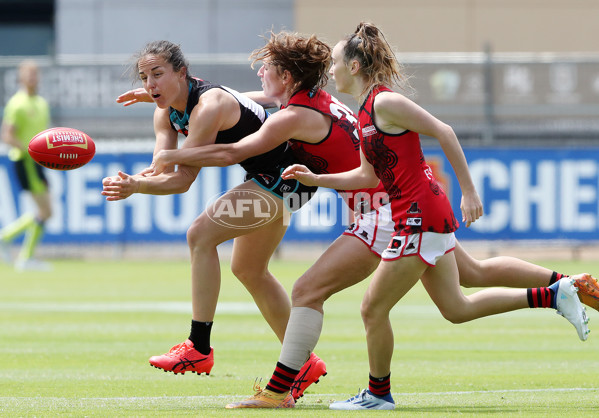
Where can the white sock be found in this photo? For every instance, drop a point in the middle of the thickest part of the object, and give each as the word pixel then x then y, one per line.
pixel 302 334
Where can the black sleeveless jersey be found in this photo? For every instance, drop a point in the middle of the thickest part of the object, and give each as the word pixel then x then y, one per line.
pixel 251 119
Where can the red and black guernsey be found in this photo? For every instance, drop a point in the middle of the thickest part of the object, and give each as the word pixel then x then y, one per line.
pixel 418 203
pixel 339 151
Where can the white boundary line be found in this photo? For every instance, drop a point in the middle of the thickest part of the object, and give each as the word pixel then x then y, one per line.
pixel 125 306
pixel 6 400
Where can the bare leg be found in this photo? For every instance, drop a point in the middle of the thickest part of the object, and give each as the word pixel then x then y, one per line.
pixel 499 271
pixel 249 263
pixel 44 205
pixel 205 234
pixel 345 262
pixel 391 281
pixel 441 284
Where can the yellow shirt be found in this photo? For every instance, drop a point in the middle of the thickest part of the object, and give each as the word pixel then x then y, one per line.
pixel 28 114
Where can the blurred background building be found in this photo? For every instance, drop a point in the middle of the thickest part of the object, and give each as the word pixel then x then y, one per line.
pixel 505 74
pixel 526 69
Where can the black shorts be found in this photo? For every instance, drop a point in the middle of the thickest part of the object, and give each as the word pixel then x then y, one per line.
pixel 31 176
pixel 294 194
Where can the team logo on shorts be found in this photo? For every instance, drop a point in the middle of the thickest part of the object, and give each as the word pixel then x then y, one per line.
pixel 267 178
pixel 414 208
pixel 395 244
pixel 414 221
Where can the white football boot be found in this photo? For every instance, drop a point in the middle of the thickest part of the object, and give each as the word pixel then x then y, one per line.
pixel 569 306
pixel 364 400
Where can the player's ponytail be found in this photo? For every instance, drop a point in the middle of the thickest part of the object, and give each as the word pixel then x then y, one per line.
pixel 378 63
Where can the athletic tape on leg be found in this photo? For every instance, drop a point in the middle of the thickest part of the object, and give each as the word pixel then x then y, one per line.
pixel 302 334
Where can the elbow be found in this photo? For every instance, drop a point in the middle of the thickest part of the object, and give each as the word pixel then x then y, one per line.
pixel 370 180
pixel 228 160
pixel 183 188
pixel 373 182
pixel 446 131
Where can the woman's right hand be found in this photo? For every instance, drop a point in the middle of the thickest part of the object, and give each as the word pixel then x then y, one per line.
pixel 138 95
pixel 119 187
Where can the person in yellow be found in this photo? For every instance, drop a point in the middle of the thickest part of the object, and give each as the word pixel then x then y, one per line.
pixel 25 115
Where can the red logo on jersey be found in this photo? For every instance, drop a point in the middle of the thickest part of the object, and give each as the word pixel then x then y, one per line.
pixel 436 165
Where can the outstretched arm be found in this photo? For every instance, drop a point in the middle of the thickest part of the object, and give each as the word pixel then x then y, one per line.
pixel 300 123
pixel 140 95
pixel 359 178
pixel 123 185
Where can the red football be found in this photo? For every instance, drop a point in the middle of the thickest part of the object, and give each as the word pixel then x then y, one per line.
pixel 62 148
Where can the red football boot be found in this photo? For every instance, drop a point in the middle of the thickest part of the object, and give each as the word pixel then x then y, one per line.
pixel 311 372
pixel 184 358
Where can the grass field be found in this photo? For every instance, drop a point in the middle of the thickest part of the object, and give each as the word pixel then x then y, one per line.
pixel 75 342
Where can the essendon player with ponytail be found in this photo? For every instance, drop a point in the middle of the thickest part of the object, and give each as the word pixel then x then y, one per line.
pixel 422 245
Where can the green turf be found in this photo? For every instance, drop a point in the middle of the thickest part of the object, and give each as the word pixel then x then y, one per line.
pixel 75 342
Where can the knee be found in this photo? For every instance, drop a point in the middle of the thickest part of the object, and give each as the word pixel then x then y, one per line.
pixel 305 294
pixel 471 275
pixel 44 213
pixel 370 313
pixel 193 235
pixel 467 283
pixel 44 216
pixel 198 234
pixel 455 316
pixel 248 274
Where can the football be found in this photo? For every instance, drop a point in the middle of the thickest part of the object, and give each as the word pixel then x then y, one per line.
pixel 62 148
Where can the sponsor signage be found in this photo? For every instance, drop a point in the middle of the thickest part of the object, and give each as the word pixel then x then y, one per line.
pixel 527 193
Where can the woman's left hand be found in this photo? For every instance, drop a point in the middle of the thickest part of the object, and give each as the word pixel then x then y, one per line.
pixel 472 208
pixel 161 162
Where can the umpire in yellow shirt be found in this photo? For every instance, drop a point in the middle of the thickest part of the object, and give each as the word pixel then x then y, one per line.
pixel 25 115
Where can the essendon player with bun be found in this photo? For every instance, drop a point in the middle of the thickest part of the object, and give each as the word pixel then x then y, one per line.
pixel 422 246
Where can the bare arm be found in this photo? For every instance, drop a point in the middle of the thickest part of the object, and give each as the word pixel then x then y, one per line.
pixel 140 95
pixel 216 111
pixel 124 185
pixel 293 122
pixel 395 112
pixel 359 178
pixel 8 133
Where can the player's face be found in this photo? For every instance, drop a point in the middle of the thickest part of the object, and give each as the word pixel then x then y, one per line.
pixel 162 82
pixel 339 70
pixel 272 82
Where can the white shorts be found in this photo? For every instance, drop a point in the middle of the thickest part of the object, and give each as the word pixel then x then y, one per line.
pixel 374 228
pixel 429 246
